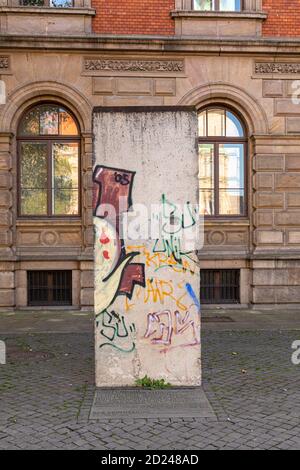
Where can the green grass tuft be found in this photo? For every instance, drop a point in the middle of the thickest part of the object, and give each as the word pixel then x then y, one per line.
pixel 147 382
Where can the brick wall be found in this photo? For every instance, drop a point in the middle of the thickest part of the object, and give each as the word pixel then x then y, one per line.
pixel 283 19
pixel 134 17
pixel 152 17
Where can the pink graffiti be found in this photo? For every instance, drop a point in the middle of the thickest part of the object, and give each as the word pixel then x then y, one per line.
pixel 163 326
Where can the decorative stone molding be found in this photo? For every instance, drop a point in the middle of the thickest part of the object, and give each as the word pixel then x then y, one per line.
pixel 5 65
pixel 104 66
pixel 232 95
pixel 277 68
pixel 4 62
pixel 27 95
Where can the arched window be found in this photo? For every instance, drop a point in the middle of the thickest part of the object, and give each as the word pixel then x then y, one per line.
pixel 48 162
pixel 222 152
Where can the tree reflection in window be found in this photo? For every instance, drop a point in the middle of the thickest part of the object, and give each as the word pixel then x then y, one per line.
pixel 222 150
pixel 217 5
pixel 48 162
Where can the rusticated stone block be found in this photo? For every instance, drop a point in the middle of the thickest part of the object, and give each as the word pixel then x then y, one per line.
pixel 21 278
pixel 292 88
pixel 7 280
pixel 103 85
pixel 5 161
pixel 268 162
pixel 86 265
pixel 287 295
pixel 7 298
pixel 293 199
pixel 261 295
pixel 87 297
pixel 263 218
pixel 269 237
pixel 272 88
pixel 88 180
pixel 269 200
pixel 276 277
pixel 263 181
pixel 294 237
pixel 292 162
pixel 293 125
pixel 88 199
pixel 87 279
pixel 5 198
pixel 5 180
pixel 165 86
pixel 5 237
pixel 134 86
pixel 88 218
pixel 89 236
pixel 287 218
pixel 285 107
pixel 287 181
pixel 5 217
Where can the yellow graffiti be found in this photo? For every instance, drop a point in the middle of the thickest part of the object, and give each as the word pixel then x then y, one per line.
pixel 160 291
pixel 160 260
pixel 157 290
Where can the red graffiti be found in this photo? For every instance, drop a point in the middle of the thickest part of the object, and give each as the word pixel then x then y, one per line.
pixel 112 188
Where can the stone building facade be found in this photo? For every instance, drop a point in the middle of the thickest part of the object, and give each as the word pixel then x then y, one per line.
pixel 227 59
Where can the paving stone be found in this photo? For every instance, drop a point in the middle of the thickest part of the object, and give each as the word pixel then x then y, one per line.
pixel 45 404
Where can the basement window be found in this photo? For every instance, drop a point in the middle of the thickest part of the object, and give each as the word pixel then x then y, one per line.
pixel 50 288
pixel 220 286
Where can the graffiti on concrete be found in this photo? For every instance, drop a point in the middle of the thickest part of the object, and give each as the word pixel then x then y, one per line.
pixel 163 326
pixel 177 223
pixel 115 273
pixel 114 332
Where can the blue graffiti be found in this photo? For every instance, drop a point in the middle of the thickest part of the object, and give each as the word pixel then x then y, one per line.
pixel 192 294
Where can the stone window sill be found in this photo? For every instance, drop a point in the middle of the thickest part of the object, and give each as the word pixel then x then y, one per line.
pixel 219 14
pixel 21 222
pixel 49 10
pixel 242 221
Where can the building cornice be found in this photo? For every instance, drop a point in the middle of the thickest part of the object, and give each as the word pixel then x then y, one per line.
pixel 153 44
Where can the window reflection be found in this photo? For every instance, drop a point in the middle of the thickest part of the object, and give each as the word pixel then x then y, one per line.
pixel 230 5
pixel 221 163
pixel 204 5
pixel 231 178
pixel 219 123
pixel 206 178
pixel 218 5
pixel 48 120
pixel 33 183
pixel 49 162
pixel 65 179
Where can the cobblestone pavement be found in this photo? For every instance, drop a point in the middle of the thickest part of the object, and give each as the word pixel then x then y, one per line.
pixel 47 387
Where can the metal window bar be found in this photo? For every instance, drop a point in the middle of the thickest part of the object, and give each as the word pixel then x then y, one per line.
pixel 49 288
pixel 220 286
